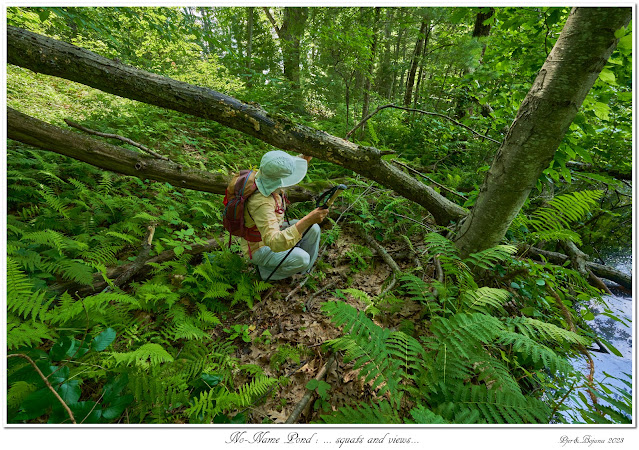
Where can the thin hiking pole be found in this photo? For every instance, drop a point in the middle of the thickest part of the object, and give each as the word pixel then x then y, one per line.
pixel 333 193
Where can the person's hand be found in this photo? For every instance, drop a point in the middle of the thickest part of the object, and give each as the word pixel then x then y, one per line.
pixel 318 215
pixel 307 158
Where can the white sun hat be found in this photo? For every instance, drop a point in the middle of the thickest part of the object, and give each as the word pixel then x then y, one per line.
pixel 278 169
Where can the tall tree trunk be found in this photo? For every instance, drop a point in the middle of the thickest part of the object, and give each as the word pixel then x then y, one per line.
pixel 369 74
pixel 383 79
pixel 585 44
pixel 419 45
pixel 481 29
pixel 249 45
pixel 46 55
pixel 290 34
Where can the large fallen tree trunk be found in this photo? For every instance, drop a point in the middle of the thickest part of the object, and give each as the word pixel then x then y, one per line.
pixel 607 272
pixel 31 131
pixel 52 57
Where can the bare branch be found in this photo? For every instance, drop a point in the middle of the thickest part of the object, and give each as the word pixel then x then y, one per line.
pixel 115 136
pixel 428 113
pixel 37 369
pixel 441 186
pixel 271 19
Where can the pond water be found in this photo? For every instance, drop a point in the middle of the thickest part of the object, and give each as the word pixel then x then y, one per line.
pixel 609 368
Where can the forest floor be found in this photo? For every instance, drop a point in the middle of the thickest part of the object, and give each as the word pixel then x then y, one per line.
pixel 291 314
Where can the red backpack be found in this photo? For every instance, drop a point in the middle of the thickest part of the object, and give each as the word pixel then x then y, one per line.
pixel 240 188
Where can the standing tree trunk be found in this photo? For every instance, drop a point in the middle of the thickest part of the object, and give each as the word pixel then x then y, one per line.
pixel 585 44
pixel 369 74
pixel 290 34
pixel 481 29
pixel 419 45
pixel 249 45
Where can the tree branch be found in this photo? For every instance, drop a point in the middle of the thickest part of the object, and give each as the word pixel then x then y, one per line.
pixel 441 186
pixel 267 10
pixel 379 108
pixel 115 136
pixel 46 381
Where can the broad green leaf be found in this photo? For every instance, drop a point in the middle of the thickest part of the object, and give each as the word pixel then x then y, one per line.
pixel 70 391
pixel 86 412
pixel 103 340
pixel 608 77
pixel 117 407
pixel 602 110
pixel 312 384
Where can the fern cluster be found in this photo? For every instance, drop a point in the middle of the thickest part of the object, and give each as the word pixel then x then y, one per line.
pixel 477 364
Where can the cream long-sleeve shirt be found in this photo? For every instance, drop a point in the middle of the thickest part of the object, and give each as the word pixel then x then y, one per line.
pixel 261 211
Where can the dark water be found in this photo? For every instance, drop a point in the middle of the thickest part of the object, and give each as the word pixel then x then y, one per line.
pixel 609 368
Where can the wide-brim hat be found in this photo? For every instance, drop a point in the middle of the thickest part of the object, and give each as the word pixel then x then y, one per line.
pixel 278 169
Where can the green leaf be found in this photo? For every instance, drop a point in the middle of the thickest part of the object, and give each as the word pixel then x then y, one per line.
pixel 611 347
pixel 589 316
pixel 602 110
pixel 625 42
pixel 312 384
pixel 178 250
pixel 44 15
pixel 112 389
pixel 70 391
pixel 86 412
pixel 323 388
pixel 103 340
pixel 608 77
pixel 117 407
pixel 211 380
pixel 61 348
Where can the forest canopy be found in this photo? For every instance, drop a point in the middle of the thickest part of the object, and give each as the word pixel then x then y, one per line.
pixel 487 154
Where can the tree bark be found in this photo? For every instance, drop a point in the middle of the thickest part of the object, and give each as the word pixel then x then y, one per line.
pixel 419 45
pixel 369 74
pixel 249 45
pixel 584 46
pixel 31 131
pixel 46 55
pixel 290 34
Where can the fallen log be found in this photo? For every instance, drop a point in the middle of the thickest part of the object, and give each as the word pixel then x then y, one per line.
pixel 34 132
pixel 600 270
pixel 52 57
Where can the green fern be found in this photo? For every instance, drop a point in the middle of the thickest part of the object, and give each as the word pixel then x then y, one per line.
pixel 219 400
pixel 382 413
pixel 148 355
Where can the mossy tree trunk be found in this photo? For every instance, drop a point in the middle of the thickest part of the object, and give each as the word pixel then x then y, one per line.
pixel 585 44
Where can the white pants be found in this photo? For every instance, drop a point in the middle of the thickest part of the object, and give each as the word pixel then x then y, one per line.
pixel 301 259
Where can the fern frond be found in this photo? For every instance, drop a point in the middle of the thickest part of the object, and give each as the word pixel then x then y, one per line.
pixel 148 355
pixel 381 413
pixel 484 298
pixel 462 332
pixel 423 415
pixel 28 334
pixel 536 328
pixel 488 258
pixel 536 351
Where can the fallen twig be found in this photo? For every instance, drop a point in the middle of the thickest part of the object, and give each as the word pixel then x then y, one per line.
pixel 46 381
pixel 297 411
pixel 115 136
pixel 309 302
